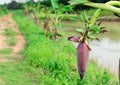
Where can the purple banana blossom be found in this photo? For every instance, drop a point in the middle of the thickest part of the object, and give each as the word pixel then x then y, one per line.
pixel 82 55
pixel 74 38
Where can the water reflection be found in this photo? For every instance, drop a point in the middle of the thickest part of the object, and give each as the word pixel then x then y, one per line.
pixel 106 54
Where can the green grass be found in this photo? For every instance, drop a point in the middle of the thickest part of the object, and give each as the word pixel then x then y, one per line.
pixel 5 51
pixel 10 34
pixel 19 74
pixel 3 12
pixel 56 59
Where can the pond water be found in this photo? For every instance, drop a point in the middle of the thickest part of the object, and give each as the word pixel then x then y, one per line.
pixel 106 52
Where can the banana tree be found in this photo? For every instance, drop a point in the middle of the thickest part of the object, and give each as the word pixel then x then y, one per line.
pixel 52 19
pixel 36 11
pixel 33 9
pixel 91 28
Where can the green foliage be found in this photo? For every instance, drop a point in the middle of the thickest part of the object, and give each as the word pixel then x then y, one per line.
pixel 3 11
pixel 90 29
pixel 5 51
pixel 91 37
pixel 83 17
pixel 52 19
pixel 55 59
pixel 80 30
pixel 95 29
pixel 13 5
pixel 54 4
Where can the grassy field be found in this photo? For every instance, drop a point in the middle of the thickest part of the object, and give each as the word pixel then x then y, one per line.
pixel 48 63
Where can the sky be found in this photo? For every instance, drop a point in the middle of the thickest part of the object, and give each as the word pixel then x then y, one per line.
pixel 4 1
pixel 8 1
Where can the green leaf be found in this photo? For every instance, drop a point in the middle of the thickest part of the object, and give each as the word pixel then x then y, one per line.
pixel 95 29
pixel 54 4
pixel 83 17
pixel 91 37
pixel 79 30
pixel 59 26
pixel 72 2
pixel 38 6
pixel 65 8
pixel 73 18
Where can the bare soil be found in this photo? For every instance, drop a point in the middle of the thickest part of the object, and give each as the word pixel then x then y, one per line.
pixel 1 81
pixel 7 22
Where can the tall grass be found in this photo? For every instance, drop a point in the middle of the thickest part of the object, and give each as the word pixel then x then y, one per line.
pixel 56 59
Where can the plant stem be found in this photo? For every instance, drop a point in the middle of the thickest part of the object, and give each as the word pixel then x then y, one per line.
pixel 110 6
pixel 97 13
pixel 104 6
pixel 84 36
pixel 114 3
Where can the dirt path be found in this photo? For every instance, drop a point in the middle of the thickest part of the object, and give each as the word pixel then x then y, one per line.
pixel 7 22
